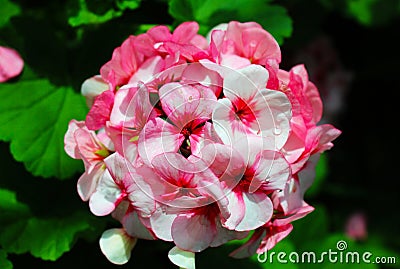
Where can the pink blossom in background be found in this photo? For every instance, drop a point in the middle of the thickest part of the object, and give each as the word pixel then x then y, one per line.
pixel 198 141
pixel 356 226
pixel 11 63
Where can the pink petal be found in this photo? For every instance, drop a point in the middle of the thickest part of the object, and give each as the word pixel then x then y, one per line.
pixel 228 128
pixel 100 112
pixel 118 167
pixel 148 70
pixel 236 209
pixel 137 189
pixel 11 63
pixel 123 64
pixel 258 210
pixel 160 33
pixel 185 32
pixel 259 45
pixel 158 136
pixel 70 144
pixel 197 73
pixel 185 103
pixel 106 197
pixel 272 173
pixel 193 232
pixel 161 223
pixel 274 235
pixel 88 182
pixel 135 228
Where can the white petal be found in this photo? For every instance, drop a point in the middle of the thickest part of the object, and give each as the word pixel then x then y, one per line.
pixel 103 200
pixel 246 82
pixel 117 245
pixel 92 87
pixel 181 258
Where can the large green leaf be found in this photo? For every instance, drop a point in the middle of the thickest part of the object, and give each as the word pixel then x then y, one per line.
pixel 4 263
pixel 34 116
pixel 210 13
pixel 8 9
pixel 44 237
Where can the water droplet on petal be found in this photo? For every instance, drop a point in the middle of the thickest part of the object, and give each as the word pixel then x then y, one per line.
pixel 277 130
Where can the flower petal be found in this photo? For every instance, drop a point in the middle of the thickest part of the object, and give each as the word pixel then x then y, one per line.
pixel 158 136
pixel 193 232
pixel 106 197
pixel 258 210
pixel 245 83
pixel 181 258
pixel 117 245
pixel 11 63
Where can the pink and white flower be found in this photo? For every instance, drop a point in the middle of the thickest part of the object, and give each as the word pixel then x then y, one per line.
pixel 11 63
pixel 198 143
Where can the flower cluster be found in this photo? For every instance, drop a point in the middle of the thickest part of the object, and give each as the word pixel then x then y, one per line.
pixel 198 141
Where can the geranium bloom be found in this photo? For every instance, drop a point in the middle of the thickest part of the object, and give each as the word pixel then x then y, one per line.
pixel 198 143
pixel 92 148
pixel 11 63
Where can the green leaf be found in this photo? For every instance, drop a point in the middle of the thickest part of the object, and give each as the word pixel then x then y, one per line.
pixel 4 263
pixel 210 13
pixel 96 12
pixel 7 11
pixel 86 16
pixel 127 4
pixel 34 116
pixel 373 12
pixel 47 238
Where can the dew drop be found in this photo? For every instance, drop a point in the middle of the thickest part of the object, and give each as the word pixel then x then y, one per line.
pixel 277 130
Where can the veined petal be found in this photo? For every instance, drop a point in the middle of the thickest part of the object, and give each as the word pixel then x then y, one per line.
pixel 226 125
pixel 272 173
pixel 198 73
pixel 158 136
pixel 148 70
pixel 236 207
pixel 161 223
pixel 276 120
pixel 70 144
pixel 87 183
pixel 117 245
pixel 135 228
pixel 258 211
pixel 100 111
pixel 106 197
pixel 184 103
pixel 193 232
pixel 245 83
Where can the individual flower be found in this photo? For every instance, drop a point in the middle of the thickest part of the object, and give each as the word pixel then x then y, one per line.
pixel 11 63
